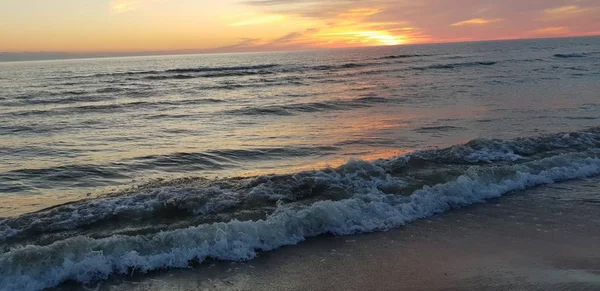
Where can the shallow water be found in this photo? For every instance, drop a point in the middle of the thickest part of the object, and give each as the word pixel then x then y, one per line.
pixel 434 127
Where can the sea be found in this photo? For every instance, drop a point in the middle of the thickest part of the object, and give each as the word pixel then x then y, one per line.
pixel 111 166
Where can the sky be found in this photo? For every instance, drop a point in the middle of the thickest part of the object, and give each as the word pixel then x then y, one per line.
pixel 133 26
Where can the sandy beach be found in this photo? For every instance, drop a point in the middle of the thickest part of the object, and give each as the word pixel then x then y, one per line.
pixel 545 238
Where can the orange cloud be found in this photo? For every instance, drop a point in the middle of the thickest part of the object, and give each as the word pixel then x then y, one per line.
pixel 549 31
pixel 476 21
pixel 331 28
pixel 359 13
pixel 261 19
pixel 334 35
pixel 565 12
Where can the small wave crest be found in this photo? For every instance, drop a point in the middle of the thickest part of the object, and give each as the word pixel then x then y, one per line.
pixel 216 69
pixel 291 109
pixel 404 56
pixel 570 55
pixel 188 73
pixel 456 65
pixel 117 173
pixel 441 128
pixel 108 108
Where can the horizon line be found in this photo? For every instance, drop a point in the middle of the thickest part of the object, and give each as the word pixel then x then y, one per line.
pixel 214 51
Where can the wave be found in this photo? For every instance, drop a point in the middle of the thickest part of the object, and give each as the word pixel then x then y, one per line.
pixel 111 173
pixel 56 97
pixel 181 72
pixel 484 150
pixel 442 128
pixel 238 71
pixel 475 152
pixel 217 69
pixel 22 129
pixel 209 75
pixel 356 197
pixel 64 99
pixel 100 108
pixel 225 157
pixel 167 77
pixel 580 117
pixel 339 67
pixel 109 90
pixel 107 108
pixel 571 55
pixel 455 65
pixel 404 56
pixel 291 109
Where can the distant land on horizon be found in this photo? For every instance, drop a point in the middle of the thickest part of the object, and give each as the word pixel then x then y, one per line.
pixel 47 56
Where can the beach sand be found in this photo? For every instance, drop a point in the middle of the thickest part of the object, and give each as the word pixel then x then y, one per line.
pixel 546 238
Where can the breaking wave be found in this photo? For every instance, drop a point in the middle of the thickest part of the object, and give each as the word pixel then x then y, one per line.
pixel 170 224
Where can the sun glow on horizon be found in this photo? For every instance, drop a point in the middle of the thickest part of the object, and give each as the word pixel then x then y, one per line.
pixel 383 38
pixel 371 38
pixel 261 25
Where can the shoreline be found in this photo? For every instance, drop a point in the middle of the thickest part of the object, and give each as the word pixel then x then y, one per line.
pixel 544 238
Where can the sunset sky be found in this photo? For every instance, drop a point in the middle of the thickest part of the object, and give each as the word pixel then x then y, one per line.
pixel 84 26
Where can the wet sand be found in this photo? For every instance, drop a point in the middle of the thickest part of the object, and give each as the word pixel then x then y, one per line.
pixel 547 238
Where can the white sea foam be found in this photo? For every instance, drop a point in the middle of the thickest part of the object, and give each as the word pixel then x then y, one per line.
pixel 199 201
pixel 211 198
pixel 492 150
pixel 85 259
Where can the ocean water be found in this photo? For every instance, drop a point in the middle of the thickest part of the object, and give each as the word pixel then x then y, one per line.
pixel 113 166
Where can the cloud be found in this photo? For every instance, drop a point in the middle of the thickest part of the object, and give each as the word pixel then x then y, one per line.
pixel 242 44
pixel 380 22
pixel 122 6
pixel 327 37
pixel 294 37
pixel 565 12
pixel 257 20
pixel 359 13
pixel 288 41
pixel 551 31
pixel 317 9
pixel 476 22
pixel 340 23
